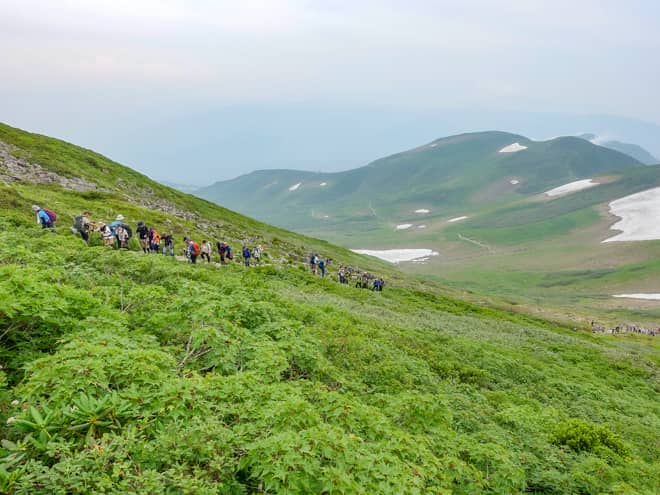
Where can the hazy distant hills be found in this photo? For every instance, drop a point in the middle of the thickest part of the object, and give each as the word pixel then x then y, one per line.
pixel 452 174
pixel 634 150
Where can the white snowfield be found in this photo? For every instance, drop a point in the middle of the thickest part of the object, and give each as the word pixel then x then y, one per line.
pixel 422 210
pixel 514 181
pixel 571 187
pixel 295 186
pixel 639 216
pixel 650 297
pixel 403 226
pixel 457 219
pixel 397 255
pixel 513 148
pixel 323 184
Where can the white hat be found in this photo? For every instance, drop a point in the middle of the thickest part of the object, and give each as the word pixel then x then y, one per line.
pixel 120 217
pixel 35 208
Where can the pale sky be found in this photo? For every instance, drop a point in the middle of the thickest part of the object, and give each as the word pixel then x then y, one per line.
pixel 85 70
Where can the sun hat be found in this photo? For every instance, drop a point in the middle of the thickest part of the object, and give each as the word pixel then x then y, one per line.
pixel 35 208
pixel 120 217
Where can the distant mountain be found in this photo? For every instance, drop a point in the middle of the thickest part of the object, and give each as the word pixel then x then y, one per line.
pixel 634 150
pixel 452 174
pixel 186 188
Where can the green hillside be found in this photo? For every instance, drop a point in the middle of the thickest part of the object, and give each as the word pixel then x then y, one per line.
pixel 446 176
pixel 130 373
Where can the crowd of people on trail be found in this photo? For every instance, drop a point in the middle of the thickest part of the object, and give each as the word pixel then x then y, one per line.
pixel 347 275
pixel 118 233
pixel 596 328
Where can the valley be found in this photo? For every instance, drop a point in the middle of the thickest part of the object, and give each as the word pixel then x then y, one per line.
pixel 511 219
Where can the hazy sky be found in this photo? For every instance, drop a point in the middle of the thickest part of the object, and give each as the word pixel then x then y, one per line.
pixel 88 70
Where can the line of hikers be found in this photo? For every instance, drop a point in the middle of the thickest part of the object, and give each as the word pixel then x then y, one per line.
pixel 346 274
pixel 118 233
pixel 596 328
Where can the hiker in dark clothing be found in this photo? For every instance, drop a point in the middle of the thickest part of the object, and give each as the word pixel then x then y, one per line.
pixel 168 244
pixel 143 236
pixel 81 225
pixel 222 251
pixel 246 256
pixel 313 259
pixel 322 266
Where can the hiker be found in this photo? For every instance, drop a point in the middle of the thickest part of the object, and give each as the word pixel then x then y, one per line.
pixel 229 255
pixel 358 281
pixel 312 263
pixel 322 266
pixel 246 256
pixel 106 233
pixel 81 225
pixel 381 284
pixel 143 236
pixel 122 236
pixel 341 273
pixel 192 249
pixel 116 223
pixel 168 244
pixel 46 218
pixel 206 250
pixel 222 251
pixel 256 254
pixel 154 240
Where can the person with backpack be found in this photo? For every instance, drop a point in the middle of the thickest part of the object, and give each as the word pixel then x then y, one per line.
pixel 154 240
pixel 321 264
pixel 46 218
pixel 81 225
pixel 229 255
pixel 106 233
pixel 168 244
pixel 256 254
pixel 246 256
pixel 122 236
pixel 312 263
pixel 193 250
pixel 206 250
pixel 222 251
pixel 143 236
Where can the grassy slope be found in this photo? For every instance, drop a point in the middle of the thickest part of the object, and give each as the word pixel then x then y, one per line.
pixel 145 375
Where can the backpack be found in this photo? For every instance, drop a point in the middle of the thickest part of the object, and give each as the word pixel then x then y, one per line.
pixel 51 214
pixel 78 223
pixel 195 249
pixel 128 230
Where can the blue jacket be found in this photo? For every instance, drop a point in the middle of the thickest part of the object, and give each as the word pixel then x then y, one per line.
pixel 114 225
pixel 246 253
pixel 43 216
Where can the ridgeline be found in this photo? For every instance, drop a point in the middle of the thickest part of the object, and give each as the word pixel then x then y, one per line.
pixel 132 373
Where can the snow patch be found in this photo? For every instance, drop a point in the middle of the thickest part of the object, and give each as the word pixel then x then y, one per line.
pixel 433 145
pixel 421 226
pixel 649 297
pixel 515 182
pixel 403 226
pixel 323 184
pixel 513 148
pixel 422 210
pixel 571 187
pixel 397 255
pixel 295 186
pixel 639 216
pixel 457 219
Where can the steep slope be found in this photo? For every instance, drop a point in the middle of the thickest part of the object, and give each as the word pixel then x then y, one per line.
pixel 449 174
pixel 128 373
pixel 634 150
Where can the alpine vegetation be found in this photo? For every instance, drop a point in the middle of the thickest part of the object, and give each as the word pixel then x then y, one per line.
pixel 130 370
